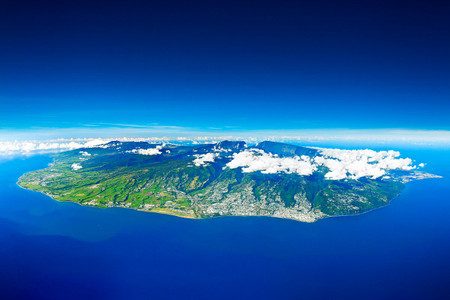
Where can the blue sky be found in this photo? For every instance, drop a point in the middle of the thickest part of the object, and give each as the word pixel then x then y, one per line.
pixel 221 66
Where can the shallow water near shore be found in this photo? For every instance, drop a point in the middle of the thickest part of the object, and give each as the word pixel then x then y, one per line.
pixel 54 250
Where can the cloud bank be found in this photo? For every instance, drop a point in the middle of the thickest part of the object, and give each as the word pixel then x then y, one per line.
pixel 319 137
pixel 341 164
pixel 118 131
pixel 36 146
pixel 257 160
pixel 29 147
pixel 355 164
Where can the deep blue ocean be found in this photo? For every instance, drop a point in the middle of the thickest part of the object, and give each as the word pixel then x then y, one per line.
pixel 53 250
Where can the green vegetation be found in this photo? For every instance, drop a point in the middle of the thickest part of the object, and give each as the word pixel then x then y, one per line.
pixel 170 183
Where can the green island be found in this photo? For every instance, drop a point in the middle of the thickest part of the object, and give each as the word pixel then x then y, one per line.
pixel 203 181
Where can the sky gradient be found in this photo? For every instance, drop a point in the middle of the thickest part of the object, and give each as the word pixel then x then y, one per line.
pixel 224 65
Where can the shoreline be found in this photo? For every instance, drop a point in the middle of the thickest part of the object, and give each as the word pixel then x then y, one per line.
pixel 168 213
pixel 164 211
pixel 100 207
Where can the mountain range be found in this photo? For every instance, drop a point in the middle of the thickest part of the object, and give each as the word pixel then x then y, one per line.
pixel 229 178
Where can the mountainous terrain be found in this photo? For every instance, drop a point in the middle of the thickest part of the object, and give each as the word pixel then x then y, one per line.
pixel 226 178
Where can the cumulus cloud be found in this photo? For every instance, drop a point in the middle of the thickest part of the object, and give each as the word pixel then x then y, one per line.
pixel 355 164
pixel 76 167
pixel 257 160
pixel 341 164
pixel 203 159
pixel 149 151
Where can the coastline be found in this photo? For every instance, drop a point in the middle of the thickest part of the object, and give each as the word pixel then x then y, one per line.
pixel 162 211
pixel 166 211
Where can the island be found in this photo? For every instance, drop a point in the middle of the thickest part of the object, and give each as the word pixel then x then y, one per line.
pixel 228 178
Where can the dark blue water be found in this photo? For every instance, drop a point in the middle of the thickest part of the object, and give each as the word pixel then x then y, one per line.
pixel 52 250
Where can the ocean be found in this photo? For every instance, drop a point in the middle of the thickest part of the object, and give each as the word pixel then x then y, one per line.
pixel 54 250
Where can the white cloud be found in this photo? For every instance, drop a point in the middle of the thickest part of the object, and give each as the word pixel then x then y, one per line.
pixel 383 136
pixel 149 151
pixel 84 153
pixel 36 146
pixel 68 144
pixel 59 145
pixel 341 164
pixel 355 164
pixel 95 143
pixel 257 160
pixel 203 159
pixel 76 167
pixel 359 137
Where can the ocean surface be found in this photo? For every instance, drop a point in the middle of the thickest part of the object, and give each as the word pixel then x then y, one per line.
pixel 53 250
